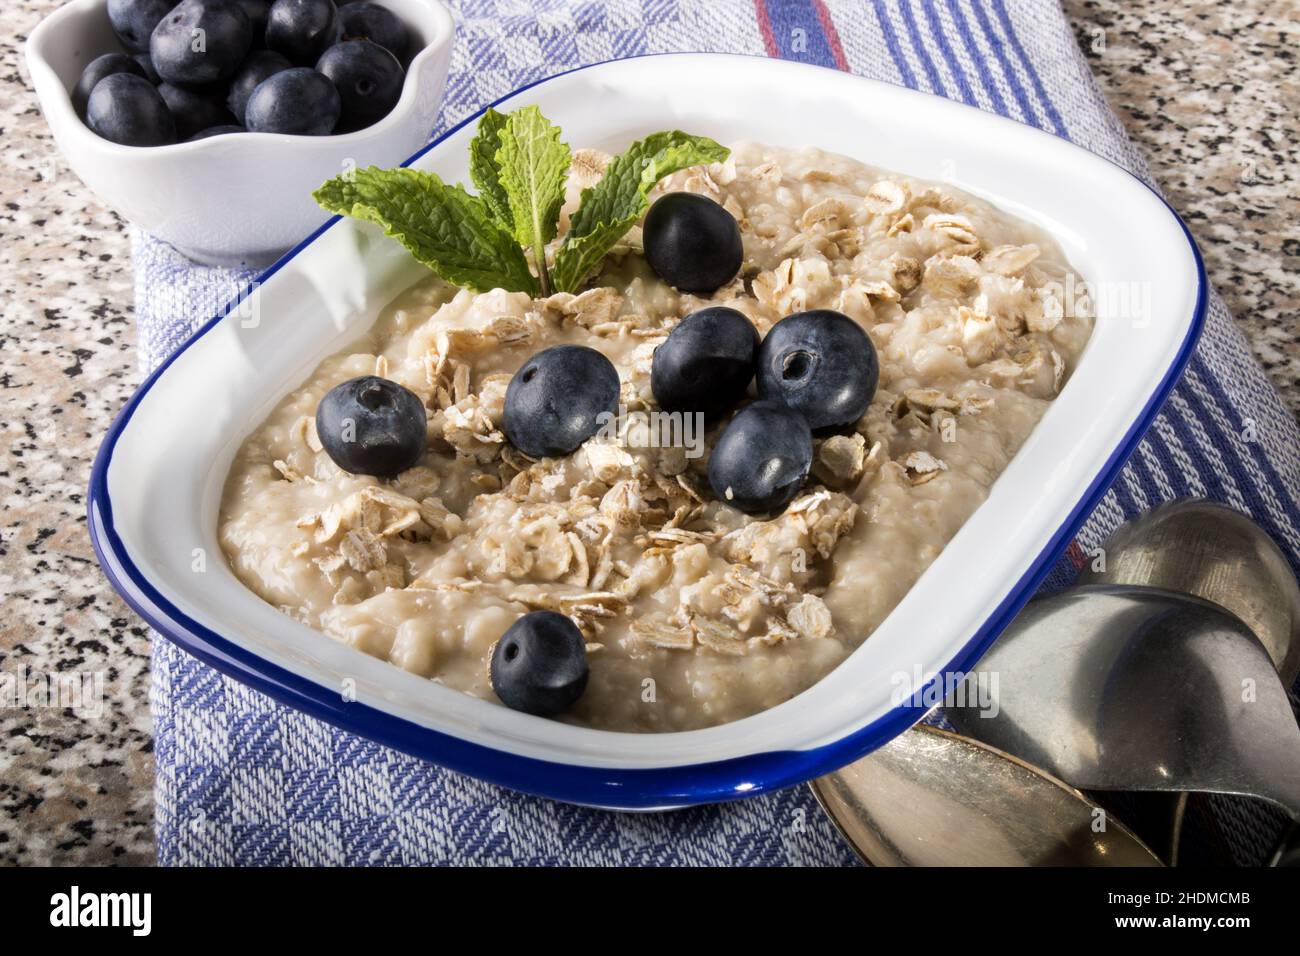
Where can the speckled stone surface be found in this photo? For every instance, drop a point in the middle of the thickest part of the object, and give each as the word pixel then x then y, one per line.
pixel 74 788
pixel 1209 92
pixel 1207 89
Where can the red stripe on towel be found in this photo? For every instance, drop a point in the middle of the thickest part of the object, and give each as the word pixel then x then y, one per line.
pixel 832 35
pixel 765 28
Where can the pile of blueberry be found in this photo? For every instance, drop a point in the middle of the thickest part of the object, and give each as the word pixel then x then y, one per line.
pixel 815 372
pixel 200 68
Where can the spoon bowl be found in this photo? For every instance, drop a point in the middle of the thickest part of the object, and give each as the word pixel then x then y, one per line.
pixel 1130 688
pixel 933 798
pixel 1199 547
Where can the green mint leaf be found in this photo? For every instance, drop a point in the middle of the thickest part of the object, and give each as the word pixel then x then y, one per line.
pixel 483 166
pixel 442 226
pixel 533 163
pixel 611 207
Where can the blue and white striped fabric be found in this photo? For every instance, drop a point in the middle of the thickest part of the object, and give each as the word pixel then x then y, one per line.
pixel 241 780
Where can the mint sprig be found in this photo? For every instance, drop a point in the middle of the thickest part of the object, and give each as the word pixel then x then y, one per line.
pixel 533 164
pixel 519 165
pixel 483 169
pixel 442 226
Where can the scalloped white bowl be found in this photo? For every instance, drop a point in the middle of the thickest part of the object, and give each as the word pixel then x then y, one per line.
pixel 240 199
pixel 157 482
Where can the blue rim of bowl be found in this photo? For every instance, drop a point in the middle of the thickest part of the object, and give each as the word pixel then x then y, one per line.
pixel 613 788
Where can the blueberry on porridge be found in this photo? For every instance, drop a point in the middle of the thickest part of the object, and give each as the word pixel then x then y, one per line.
pixel 762 458
pixel 692 243
pixel 371 426
pixel 540 664
pixel 821 364
pixel 555 402
pixel 706 363
pixel 712 497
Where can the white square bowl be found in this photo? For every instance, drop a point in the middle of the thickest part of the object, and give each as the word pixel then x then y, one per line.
pixel 157 481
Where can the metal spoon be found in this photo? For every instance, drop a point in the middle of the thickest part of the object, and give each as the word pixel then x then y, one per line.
pixel 933 798
pixel 1124 688
pixel 1200 547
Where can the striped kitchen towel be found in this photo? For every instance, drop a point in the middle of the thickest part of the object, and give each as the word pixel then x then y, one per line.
pixel 241 780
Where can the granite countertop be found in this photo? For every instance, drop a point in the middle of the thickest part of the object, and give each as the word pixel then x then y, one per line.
pixel 1207 90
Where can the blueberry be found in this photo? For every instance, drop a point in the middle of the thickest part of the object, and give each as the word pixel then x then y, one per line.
pixel 297 100
pixel 555 401
pixel 201 42
pixel 96 70
pixel 134 20
pixel 762 458
pixel 692 243
pixel 540 664
pixel 146 64
pixel 370 21
pixel 706 362
pixel 126 109
pixel 260 65
pixel 194 111
pixel 301 29
pixel 368 78
pixel 372 426
pixel 217 131
pixel 820 363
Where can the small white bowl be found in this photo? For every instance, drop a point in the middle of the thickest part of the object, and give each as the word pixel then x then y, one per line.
pixel 157 482
pixel 241 198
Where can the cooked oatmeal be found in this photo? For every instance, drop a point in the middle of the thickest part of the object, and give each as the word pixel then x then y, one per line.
pixel 694 613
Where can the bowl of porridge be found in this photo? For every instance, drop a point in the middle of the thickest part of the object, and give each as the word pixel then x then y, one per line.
pixel 753 600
